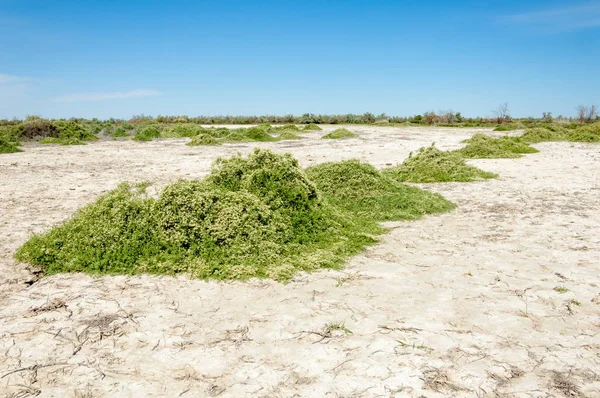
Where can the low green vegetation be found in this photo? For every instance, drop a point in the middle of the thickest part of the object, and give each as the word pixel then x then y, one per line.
pixel 119 132
pixel 509 127
pixel 482 146
pixel 362 190
pixel 588 133
pixel 288 135
pixel 432 165
pixel 542 134
pixel 254 216
pixel 147 133
pixel 339 134
pixel 312 127
pixel 203 139
pixel 9 142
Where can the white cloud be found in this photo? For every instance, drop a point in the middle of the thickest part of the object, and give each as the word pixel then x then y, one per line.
pixel 580 16
pixel 102 96
pixel 5 79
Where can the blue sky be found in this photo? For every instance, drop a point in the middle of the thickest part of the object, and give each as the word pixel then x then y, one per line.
pixel 119 58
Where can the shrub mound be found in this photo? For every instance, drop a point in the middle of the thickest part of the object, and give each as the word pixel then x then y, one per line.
pixel 432 165
pixel 482 146
pixel 254 216
pixel 541 134
pixel 509 127
pixel 9 142
pixel 147 133
pixel 312 127
pixel 589 133
pixel 361 189
pixel 340 133
pixel 182 131
pixel 288 135
pixel 8 146
pixel 119 132
pixel 203 139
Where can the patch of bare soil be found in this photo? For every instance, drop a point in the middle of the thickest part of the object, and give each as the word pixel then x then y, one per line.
pixel 498 298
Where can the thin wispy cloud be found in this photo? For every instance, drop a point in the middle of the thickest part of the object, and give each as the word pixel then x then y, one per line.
pixel 585 15
pixel 103 96
pixel 6 79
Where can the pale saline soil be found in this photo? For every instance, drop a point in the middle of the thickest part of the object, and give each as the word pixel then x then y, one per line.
pixel 498 298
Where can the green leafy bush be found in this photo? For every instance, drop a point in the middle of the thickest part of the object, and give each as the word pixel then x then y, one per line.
pixel 432 165
pixel 482 146
pixel 254 216
pixel 340 133
pixel 509 127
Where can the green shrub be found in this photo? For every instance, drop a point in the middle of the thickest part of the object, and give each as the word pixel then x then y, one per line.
pixel 509 127
pixel 288 135
pixel 182 131
pixel 482 146
pixel 340 133
pixel 119 133
pixel 589 133
pixel 8 145
pixel 34 128
pixel 69 131
pixel 147 133
pixel 289 127
pixel 542 134
pixel 257 134
pixel 361 189
pixel 254 216
pixel 432 165
pixel 203 139
pixel 312 127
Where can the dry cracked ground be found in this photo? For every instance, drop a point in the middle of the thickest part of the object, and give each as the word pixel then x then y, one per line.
pixel 498 298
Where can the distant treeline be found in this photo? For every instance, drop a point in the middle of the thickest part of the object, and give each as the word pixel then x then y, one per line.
pixel 441 118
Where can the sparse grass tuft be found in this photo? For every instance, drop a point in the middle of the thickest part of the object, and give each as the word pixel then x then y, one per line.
pixel 432 165
pixel 340 133
pixel 254 216
pixel 482 146
pixel 561 289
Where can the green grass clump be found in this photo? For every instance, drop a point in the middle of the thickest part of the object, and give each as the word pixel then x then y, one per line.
pixel 589 133
pixel 312 127
pixel 147 133
pixel 542 134
pixel 432 165
pixel 203 139
pixel 340 133
pixel 482 146
pixel 362 190
pixel 254 216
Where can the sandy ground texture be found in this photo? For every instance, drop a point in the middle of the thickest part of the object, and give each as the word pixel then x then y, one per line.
pixel 498 298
